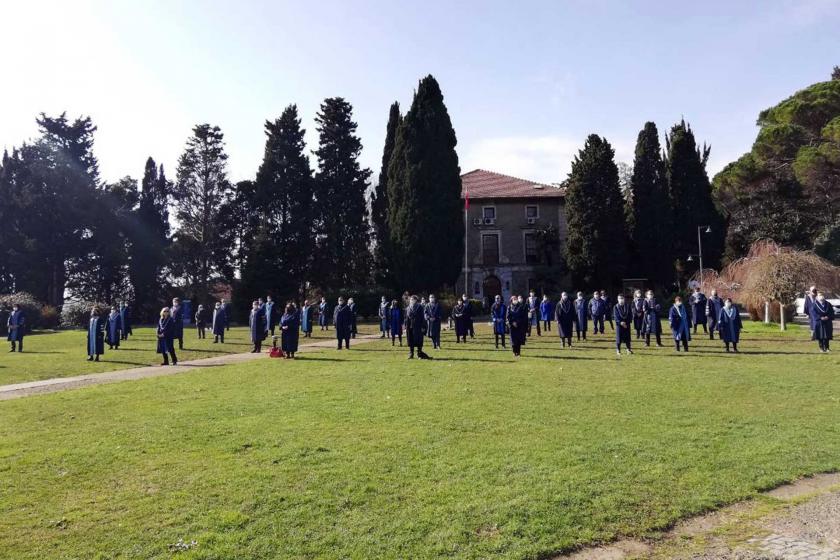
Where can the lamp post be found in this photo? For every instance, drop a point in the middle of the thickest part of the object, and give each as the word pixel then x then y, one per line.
pixel 708 229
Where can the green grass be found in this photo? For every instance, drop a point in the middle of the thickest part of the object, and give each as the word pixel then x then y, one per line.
pixel 363 454
pixel 64 353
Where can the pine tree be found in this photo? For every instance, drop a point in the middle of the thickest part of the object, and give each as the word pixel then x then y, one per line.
pixel 690 194
pixel 648 212
pixel 596 242
pixel 343 254
pixel 379 199
pixel 278 253
pixel 425 212
pixel 202 247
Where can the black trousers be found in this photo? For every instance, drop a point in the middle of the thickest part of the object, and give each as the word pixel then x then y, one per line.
pixel 500 337
pixel 658 339
pixel 394 337
pixel 539 333
pixel 516 347
pixel 567 340
pixel 703 324
pixel 166 358
pixel 598 324
pixel 257 346
pixel 824 343
pixel 547 326
pixel 684 344
pixel 219 337
pixel 180 343
pixel 19 346
pixel 622 337
pixel 202 332
pixel 346 341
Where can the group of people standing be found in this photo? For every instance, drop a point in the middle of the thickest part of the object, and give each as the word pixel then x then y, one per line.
pixel 821 317
pixel 111 329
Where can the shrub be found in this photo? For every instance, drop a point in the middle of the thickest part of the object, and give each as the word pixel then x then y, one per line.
pixel 31 307
pixel 50 317
pixel 76 314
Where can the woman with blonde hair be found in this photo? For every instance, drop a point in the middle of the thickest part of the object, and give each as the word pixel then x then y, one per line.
pixel 166 337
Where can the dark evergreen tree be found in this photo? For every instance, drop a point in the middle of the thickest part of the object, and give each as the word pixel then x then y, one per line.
pixel 277 255
pixel 379 200
pixel 596 242
pixel 343 258
pixel 690 195
pixel 202 247
pixel 11 242
pixel 150 242
pixel 425 210
pixel 648 212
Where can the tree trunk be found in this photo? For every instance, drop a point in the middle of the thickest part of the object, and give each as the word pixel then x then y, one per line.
pixel 782 315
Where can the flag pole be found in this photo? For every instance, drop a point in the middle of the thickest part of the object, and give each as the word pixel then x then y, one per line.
pixel 466 237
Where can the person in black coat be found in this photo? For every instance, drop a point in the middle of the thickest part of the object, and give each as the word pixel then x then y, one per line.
pixel 290 331
pixel 256 326
pixel 698 310
pixel 623 315
pixel 517 324
pixel 343 323
pixel 713 307
pixel 95 336
pixel 113 329
pixel 125 319
pixel 219 323
pixel 166 337
pixel 581 316
pixel 822 315
pixel 565 314
pixel 16 327
pixel 201 322
pixel 608 309
pixel 652 326
pixel 459 315
pixel 638 313
pixel 353 317
pixel 415 324
pixel 177 316
pixel 433 315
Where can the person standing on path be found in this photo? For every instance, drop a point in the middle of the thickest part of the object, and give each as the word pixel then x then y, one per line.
pixel 256 326
pixel 166 337
pixel 343 322
pixel 289 331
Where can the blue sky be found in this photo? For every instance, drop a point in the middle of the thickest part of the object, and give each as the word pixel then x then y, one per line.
pixel 524 82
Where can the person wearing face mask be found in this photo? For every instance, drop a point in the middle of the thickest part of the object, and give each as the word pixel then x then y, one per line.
pixel 384 318
pixel 623 315
pixel 177 316
pixel 597 309
pixel 95 336
pixel 343 323
pixel 533 313
pixel 289 331
pixel 256 326
pixel 729 324
pixel 652 326
pixel 201 322
pixel 433 315
pixel 166 337
pixel 546 312
pixel 306 314
pixel 608 309
pixel 395 322
pixel 678 318
pixel 698 309
pixel 16 327
pixel 713 306
pixel 638 313
pixel 517 318
pixel 461 327
pixel 810 298
pixel 219 323
pixel 125 320
pixel 354 328
pixel 113 326
pixel 414 327
pixel 324 314
pixel 565 314
pixel 468 315
pixel 581 316
pixel 822 314
pixel 498 313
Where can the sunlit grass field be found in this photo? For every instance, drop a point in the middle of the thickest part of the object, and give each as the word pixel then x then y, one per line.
pixel 364 454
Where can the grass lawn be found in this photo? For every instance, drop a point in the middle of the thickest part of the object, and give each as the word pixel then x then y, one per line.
pixel 363 454
pixel 64 353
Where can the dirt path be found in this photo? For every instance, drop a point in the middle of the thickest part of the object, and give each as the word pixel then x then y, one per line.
pixel 28 389
pixel 799 521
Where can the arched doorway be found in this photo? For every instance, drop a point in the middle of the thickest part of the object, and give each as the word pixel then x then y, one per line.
pixel 492 287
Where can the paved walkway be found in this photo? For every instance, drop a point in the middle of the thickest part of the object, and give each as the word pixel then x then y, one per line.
pixel 28 389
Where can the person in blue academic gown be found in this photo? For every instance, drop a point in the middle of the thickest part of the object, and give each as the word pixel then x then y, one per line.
pixel 581 316
pixel 343 321
pixel 270 315
pixel 95 336
pixel 226 309
pixel 698 309
pixel 306 313
pixel 597 311
pixel 652 326
pixel 177 316
pixel 546 312
pixel 533 310
pixel 384 318
pixel 623 315
pixel 728 324
pixel 608 309
pixel 638 313
pixel 16 328
pixel 517 318
pixel 395 321
pixel 566 315
pixel 822 313
pixel 353 317
pixel 461 325
pixel 219 323
pixel 324 314
pixel 114 329
pixel 289 331
pixel 678 318
pixel 468 315
pixel 810 298
pixel 713 306
pixel 433 315
pixel 256 327
pixel 125 319
pixel 415 326
pixel 498 314
pixel 166 337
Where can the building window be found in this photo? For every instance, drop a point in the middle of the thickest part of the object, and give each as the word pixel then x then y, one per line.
pixel 532 211
pixel 531 255
pixel 477 289
pixel 488 212
pixel 490 248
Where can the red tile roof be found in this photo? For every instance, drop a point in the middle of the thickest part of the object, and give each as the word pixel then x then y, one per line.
pixel 486 184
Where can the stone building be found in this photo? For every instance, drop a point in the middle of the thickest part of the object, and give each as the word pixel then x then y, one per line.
pixel 515 234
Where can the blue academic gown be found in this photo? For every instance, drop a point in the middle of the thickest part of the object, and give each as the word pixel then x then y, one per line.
pixel 343 321
pixel 306 319
pixel 623 313
pixel 270 317
pixel 546 310
pixel 714 305
pixel 729 325
pixel 96 336
pixel 582 313
pixel 395 321
pixel 177 317
pixel 533 310
pixel 16 319
pixel 289 332
pixel 114 329
pixel 219 321
pixel 698 309
pixel 638 314
pixel 809 304
pixel 597 310
pixel 679 323
pixel 498 312
pixel 384 317
pixel 166 336
pixel 256 325
pixel 125 318
pixel 823 330
pixel 323 314
pixel 566 315
pixel 433 314
pixel 651 324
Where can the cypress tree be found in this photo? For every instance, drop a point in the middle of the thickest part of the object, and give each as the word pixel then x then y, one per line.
pixel 425 212
pixel 343 252
pixel 690 194
pixel 648 212
pixel 595 246
pixel 379 199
